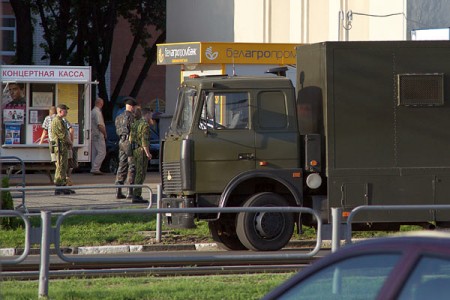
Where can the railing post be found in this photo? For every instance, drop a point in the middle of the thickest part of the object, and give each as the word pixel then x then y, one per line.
pixel 336 214
pixel 45 253
pixel 158 215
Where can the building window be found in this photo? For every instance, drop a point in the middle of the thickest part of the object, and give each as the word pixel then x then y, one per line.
pixel 8 35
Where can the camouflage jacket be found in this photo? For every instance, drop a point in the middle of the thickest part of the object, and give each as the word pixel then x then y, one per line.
pixel 123 123
pixel 59 132
pixel 140 132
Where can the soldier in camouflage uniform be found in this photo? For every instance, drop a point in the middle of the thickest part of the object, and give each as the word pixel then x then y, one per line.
pixel 61 144
pixel 126 169
pixel 140 136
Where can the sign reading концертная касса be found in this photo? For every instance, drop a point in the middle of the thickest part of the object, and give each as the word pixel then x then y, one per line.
pixel 45 73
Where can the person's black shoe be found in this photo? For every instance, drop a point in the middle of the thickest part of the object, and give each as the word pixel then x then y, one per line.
pixel 66 192
pixel 119 194
pixel 58 192
pixel 71 191
pixel 138 199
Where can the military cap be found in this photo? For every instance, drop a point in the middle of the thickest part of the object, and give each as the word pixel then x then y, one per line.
pixel 62 106
pixel 130 101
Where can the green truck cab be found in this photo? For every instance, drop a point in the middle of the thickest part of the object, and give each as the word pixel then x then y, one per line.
pixel 366 124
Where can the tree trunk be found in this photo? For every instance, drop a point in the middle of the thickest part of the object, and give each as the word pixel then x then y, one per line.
pixel 151 57
pixel 24 46
pixel 127 64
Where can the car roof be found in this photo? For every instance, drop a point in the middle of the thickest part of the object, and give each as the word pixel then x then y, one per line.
pixel 408 244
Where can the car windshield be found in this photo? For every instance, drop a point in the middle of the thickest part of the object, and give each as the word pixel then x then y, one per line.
pixel 184 110
pixel 429 280
pixel 356 278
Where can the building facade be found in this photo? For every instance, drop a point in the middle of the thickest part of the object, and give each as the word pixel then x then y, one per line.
pixel 294 21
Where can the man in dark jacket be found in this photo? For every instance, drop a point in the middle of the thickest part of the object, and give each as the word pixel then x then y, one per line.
pixel 126 170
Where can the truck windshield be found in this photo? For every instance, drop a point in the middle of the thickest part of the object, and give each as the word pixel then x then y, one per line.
pixel 184 111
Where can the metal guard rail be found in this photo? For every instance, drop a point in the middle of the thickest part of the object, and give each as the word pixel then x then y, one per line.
pixel 207 258
pixel 21 258
pixel 10 159
pixel 48 232
pixel 356 210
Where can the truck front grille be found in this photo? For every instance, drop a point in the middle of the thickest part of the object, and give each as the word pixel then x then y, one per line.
pixel 171 178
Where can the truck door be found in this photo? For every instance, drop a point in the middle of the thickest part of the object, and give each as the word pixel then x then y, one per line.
pixel 224 143
pixel 276 135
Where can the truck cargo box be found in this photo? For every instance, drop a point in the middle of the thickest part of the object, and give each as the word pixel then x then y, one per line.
pixel 383 111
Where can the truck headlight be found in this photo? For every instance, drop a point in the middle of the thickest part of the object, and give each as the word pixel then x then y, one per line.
pixel 313 181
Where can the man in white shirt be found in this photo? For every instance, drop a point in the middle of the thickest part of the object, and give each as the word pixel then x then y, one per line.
pixel 98 130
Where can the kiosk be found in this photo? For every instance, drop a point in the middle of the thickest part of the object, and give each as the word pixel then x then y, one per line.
pixel 28 93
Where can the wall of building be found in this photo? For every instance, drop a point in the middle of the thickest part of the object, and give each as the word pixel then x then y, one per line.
pixel 194 20
pixel 154 84
pixel 428 14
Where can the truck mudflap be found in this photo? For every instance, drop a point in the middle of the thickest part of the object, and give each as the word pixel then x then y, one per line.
pixel 178 220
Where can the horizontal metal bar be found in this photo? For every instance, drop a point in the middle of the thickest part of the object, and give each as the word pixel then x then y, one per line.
pixel 356 210
pixel 179 259
pixel 157 270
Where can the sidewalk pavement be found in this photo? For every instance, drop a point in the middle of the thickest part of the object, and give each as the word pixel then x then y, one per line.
pixel 92 192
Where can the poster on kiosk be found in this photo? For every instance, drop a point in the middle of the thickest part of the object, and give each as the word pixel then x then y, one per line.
pixel 28 93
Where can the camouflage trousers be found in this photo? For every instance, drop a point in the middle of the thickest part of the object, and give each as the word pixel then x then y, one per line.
pixel 141 163
pixel 73 158
pixel 62 165
pixel 126 170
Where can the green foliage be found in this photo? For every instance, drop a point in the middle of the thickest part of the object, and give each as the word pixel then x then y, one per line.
pixel 6 202
pixel 117 229
pixel 245 286
pixel 6 198
pixel 135 229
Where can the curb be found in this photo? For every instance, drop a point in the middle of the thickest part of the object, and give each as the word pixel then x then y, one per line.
pixel 118 249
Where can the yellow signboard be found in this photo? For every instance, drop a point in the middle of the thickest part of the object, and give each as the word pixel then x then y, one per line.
pixel 226 53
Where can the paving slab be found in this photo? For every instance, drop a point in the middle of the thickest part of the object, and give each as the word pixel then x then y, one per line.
pixel 91 192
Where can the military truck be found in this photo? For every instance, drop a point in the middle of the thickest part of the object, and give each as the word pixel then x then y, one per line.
pixel 368 123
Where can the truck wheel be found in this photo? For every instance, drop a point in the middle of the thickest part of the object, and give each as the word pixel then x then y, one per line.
pixel 223 232
pixel 265 231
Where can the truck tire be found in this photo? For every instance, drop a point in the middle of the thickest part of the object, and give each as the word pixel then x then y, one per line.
pixel 223 232
pixel 265 231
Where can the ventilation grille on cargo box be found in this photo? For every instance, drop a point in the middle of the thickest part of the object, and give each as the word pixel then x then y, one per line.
pixel 420 89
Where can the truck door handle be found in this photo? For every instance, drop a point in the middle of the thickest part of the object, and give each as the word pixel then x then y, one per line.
pixel 247 156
